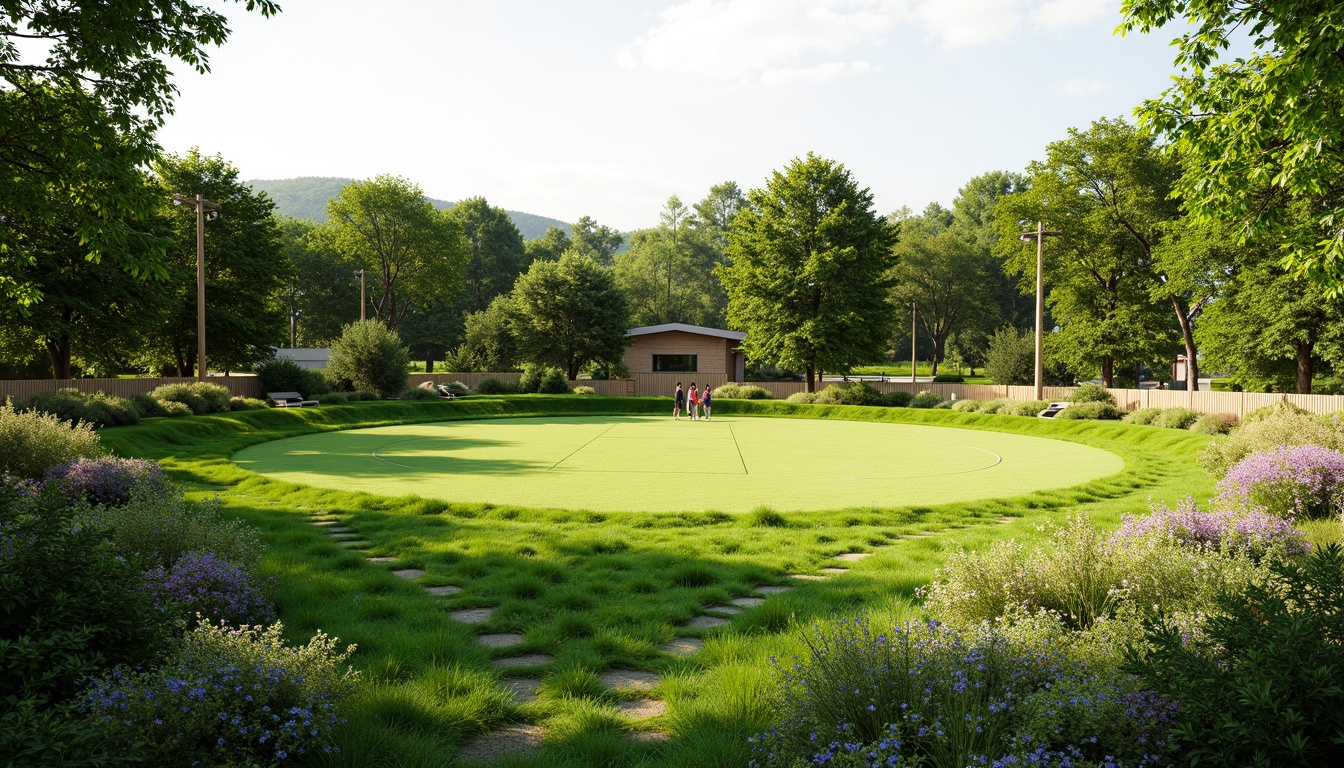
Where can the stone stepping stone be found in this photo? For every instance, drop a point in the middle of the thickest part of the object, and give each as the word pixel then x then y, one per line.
pixel 727 610
pixel 629 679
pixel 501 640
pixel 853 557
pixel 807 577
pixel 684 646
pixel 344 535
pixel 523 689
pixel 834 571
pixel 526 660
pixel 1006 520
pixel 640 709
pixel 748 602
pixel 650 737
pixel 445 590
pixel 706 622
pixel 770 589
pixel 381 559
pixel 408 573
pixel 472 615
pixel 514 738
pixel 355 544
pixel 326 522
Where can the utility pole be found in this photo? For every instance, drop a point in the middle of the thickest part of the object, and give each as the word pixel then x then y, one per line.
pixel 912 342
pixel 1039 235
pixel 204 210
pixel 360 274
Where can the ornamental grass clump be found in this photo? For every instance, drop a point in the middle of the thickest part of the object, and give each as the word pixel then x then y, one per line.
pixel 32 443
pixel 1281 427
pixel 1253 532
pixel 1300 481
pixel 923 694
pixel 161 526
pixel 209 589
pixel 1176 418
pixel 230 697
pixel 107 481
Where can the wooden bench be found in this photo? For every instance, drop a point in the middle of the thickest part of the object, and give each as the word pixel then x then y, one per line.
pixel 289 400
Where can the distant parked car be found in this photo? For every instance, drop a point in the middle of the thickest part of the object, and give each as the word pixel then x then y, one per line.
pixel 1052 409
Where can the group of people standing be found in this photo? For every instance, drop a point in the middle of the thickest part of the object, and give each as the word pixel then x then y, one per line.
pixel 693 403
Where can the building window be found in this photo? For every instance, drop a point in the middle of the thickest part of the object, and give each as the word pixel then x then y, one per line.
pixel 674 364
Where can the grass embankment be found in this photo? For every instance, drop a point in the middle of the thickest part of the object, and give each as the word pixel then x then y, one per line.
pixel 601 591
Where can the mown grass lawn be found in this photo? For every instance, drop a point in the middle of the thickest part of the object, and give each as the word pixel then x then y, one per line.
pixel 600 591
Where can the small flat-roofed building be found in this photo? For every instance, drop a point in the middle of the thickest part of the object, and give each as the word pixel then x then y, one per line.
pixel 682 348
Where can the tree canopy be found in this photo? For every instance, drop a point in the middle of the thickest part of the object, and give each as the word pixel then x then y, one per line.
pixel 809 278
pixel 570 313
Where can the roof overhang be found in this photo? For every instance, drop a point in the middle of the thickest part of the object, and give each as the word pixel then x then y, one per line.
pixel 699 330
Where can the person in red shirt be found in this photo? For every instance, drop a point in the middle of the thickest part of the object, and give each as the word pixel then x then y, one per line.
pixel 694 404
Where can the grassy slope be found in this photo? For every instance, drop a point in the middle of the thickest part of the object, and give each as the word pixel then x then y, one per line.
pixel 601 591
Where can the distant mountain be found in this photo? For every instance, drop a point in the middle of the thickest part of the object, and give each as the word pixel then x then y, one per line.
pixel 306 198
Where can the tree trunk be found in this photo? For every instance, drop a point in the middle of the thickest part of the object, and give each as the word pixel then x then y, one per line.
pixel 1108 371
pixel 59 351
pixel 429 365
pixel 811 378
pixel 1187 336
pixel 181 362
pixel 1305 367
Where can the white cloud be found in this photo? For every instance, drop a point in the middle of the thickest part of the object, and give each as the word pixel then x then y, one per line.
pixel 1079 88
pixel 781 42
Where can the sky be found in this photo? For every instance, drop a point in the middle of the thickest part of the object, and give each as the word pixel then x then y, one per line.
pixel 606 108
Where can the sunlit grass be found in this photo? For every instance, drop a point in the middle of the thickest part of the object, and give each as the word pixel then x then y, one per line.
pixel 603 591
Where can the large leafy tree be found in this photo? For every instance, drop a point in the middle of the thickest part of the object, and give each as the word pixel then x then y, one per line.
pixel 596 241
pixel 1263 131
pixel 949 279
pixel 413 253
pixel 1107 190
pixel 495 251
pixel 245 270
pixel 549 247
pixel 77 78
pixel 491 338
pixel 320 295
pixel 716 211
pixel 570 313
pixel 668 272
pixel 809 278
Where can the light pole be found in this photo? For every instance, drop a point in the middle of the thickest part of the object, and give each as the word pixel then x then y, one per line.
pixel 1039 236
pixel 204 210
pixel 912 343
pixel 360 274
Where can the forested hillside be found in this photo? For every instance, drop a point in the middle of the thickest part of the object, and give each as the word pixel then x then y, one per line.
pixel 306 198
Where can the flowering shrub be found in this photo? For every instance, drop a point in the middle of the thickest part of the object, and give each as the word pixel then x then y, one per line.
pixel 1251 531
pixel 31 443
pixel 1289 481
pixel 161 526
pixel 108 480
pixel 1281 427
pixel 238 694
pixel 206 586
pixel 926 695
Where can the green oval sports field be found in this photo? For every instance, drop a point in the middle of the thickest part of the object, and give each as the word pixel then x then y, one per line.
pixel 655 464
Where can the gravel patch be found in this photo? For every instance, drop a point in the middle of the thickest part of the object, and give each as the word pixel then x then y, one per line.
pixel 629 679
pixel 640 709
pixel 684 646
pixel 528 660
pixel 501 640
pixel 515 738
pixel 472 615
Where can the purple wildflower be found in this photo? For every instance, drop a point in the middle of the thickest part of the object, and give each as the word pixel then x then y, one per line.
pixel 108 481
pixel 1253 531
pixel 212 587
pixel 1288 481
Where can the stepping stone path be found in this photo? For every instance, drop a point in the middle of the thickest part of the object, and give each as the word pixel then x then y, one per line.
pixel 381 559
pixel 524 689
pixel 853 557
pixel 1005 520
pixel 501 640
pixel 528 660
pixel 684 646
pixel 354 544
pixel 834 571
pixel 629 679
pixel 515 738
pixel 770 589
pixel 640 709
pixel 409 573
pixel 748 602
pixel 705 622
pixel 344 535
pixel 326 522
pixel 724 609
pixel 445 590
pixel 650 737
pixel 807 577
pixel 472 615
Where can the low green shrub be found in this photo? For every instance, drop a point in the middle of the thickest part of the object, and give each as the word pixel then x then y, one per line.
pixel 796 397
pixel 857 393
pixel 99 409
pixel 418 394
pixel 244 693
pixel 729 391
pixel 993 406
pixel 1215 424
pixel 1272 411
pixel 926 399
pixel 369 356
pixel 201 397
pixel 160 525
pixel 1176 418
pixel 764 517
pixel 752 392
pixel 1283 427
pixel 32 443
pixel 247 404
pixel 1026 407
pixel 1259 685
pixel 897 399
pixel 966 406
pixel 529 381
pixel 174 409
pixel 1092 393
pixel 946 405
pixel 285 375
pixel 949 378
pixel 495 387
pixel 147 406
pixel 583 389
pixel 553 382
pixel 1088 410
pixel 332 398
pixel 119 409
pixel 1142 416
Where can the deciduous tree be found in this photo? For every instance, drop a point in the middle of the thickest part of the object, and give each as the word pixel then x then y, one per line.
pixel 570 313
pixel 668 272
